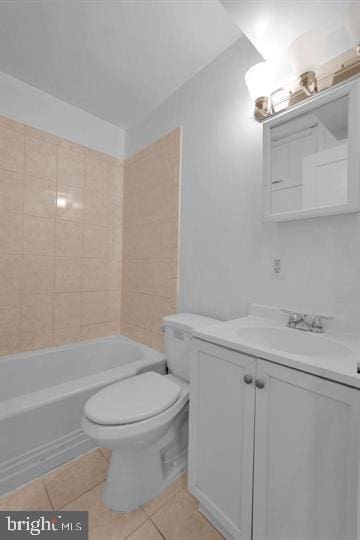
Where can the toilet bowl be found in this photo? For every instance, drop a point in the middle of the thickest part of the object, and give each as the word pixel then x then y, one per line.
pixel 144 421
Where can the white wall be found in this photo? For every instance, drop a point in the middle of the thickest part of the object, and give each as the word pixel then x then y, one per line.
pixel 27 104
pixel 225 248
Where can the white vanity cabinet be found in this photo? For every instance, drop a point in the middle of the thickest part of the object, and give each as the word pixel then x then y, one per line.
pixel 274 452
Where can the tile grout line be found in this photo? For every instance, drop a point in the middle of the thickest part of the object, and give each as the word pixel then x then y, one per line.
pixel 81 495
pixel 157 528
pixel 47 493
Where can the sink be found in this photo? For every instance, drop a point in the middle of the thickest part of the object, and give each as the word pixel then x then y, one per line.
pixel 291 341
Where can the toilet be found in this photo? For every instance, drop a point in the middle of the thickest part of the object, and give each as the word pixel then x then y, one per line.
pixel 144 421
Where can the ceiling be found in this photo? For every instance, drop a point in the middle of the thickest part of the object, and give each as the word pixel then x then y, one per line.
pixel 117 59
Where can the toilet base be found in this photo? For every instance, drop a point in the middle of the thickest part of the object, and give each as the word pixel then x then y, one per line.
pixel 137 475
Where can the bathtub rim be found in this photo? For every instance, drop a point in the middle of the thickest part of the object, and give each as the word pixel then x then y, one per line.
pixel 32 400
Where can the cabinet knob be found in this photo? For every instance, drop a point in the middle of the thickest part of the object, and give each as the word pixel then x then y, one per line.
pixel 260 383
pixel 248 379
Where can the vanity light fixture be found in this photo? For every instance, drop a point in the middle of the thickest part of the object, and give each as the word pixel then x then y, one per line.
pixel 352 24
pixel 279 100
pixel 259 80
pixel 305 56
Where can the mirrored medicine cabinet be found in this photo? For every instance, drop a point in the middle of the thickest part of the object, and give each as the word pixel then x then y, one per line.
pixel 312 156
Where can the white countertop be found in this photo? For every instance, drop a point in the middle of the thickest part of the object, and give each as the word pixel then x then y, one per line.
pixel 342 369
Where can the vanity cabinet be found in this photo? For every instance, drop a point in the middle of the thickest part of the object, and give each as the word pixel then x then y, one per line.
pixel 274 452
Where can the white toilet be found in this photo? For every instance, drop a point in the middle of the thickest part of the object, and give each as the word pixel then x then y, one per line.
pixel 144 421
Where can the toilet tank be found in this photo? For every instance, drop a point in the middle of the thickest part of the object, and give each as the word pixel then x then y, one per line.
pixel 177 338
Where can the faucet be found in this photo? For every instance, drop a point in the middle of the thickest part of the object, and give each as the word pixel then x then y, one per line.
pixel 299 322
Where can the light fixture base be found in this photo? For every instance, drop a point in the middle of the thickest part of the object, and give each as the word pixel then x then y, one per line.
pixel 262 108
pixel 308 83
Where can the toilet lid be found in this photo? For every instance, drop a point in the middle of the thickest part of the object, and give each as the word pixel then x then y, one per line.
pixel 132 400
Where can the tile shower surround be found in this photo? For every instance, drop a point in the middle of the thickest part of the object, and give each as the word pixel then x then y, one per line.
pixel 61 233
pixel 60 240
pixel 150 245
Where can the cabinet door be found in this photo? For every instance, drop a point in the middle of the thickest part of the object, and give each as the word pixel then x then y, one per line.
pixel 222 436
pixel 306 457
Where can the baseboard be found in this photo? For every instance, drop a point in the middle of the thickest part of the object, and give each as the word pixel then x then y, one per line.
pixel 25 468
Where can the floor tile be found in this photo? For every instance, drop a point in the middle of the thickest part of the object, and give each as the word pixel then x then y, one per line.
pixel 106 452
pixel 153 506
pixel 73 479
pixel 103 523
pixel 30 497
pixel 147 531
pixel 180 519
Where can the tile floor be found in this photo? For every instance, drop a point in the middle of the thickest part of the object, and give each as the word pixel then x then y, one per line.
pixel 77 485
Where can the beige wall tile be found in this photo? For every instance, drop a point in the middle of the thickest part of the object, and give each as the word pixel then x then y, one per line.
pixel 12 124
pixel 113 306
pixel 70 334
pixel 30 497
pixel 37 312
pixel 68 238
pixel 70 203
pixel 115 236
pixel 68 274
pixel 73 479
pixel 95 241
pixel 114 274
pixel 67 310
pixel 11 191
pixel 71 165
pixel 148 338
pixel 11 150
pixel 98 171
pixel 41 135
pixel 10 341
pixel 145 311
pixel 39 235
pixel 150 240
pixel 11 229
pixel 150 245
pixel 73 147
pixel 95 274
pixel 38 274
pixel 43 244
pixel 39 197
pixel 40 158
pixel 10 274
pixel 10 312
pixel 96 207
pixel 36 339
pixel 115 214
pixel 116 181
pixel 10 324
pixel 93 331
pixel 150 276
pixel 94 307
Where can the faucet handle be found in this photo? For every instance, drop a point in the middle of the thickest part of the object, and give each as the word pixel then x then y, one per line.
pixel 294 317
pixel 317 325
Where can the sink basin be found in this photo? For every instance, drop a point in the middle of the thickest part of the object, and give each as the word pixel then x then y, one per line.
pixel 292 341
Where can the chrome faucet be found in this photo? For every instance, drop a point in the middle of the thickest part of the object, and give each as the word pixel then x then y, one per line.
pixel 299 322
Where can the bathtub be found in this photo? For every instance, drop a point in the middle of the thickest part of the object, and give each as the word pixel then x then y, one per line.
pixel 42 395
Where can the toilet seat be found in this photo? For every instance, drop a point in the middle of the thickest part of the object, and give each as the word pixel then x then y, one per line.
pixel 112 435
pixel 132 400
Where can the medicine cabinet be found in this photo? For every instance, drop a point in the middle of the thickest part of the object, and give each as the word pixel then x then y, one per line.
pixel 312 156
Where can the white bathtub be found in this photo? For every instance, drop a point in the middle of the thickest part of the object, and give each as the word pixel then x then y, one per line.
pixel 42 394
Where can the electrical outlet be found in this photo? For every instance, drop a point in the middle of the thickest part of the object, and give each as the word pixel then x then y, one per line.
pixel 277 268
